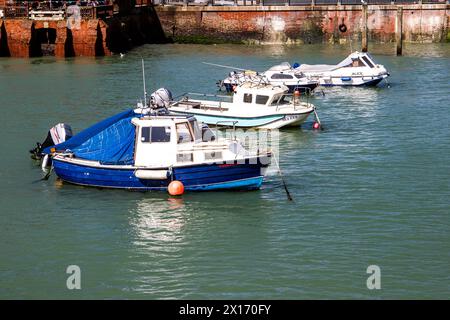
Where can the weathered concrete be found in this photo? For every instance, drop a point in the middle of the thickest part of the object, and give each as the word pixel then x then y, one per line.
pixel 365 30
pixel 398 30
pixel 303 24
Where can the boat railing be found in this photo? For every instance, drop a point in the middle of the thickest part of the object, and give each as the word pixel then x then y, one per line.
pixel 295 101
pixel 185 97
pixel 224 122
pixel 55 10
pixel 206 95
pixel 288 2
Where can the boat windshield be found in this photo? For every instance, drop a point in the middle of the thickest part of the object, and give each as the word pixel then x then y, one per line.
pixel 355 63
pixel 183 133
pixel 196 129
pixel 281 100
pixel 368 62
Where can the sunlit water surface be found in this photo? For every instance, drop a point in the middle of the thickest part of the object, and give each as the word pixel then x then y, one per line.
pixel 371 189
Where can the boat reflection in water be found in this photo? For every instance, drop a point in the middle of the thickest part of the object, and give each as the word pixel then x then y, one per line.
pixel 158 219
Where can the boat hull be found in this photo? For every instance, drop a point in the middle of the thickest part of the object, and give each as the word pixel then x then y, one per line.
pixel 206 177
pixel 354 82
pixel 276 121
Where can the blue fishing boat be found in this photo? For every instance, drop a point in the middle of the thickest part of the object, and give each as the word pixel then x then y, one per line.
pixel 146 149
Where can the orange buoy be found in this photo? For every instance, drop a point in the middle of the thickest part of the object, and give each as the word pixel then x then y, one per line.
pixel 316 125
pixel 176 188
pixel 297 93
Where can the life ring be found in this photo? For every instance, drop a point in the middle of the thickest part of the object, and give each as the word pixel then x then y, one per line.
pixel 342 27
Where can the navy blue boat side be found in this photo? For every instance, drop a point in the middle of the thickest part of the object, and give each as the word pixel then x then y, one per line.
pixel 244 176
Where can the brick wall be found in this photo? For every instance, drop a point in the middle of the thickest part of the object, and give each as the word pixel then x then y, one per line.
pixel 421 23
pixel 85 41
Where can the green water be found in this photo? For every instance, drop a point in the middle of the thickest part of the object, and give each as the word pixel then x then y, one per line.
pixel 372 189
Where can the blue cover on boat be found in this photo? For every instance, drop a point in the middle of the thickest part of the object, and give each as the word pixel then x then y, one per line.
pixel 110 141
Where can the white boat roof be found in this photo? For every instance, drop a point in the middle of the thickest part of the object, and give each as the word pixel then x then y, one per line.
pixel 329 67
pixel 262 88
pixel 316 67
pixel 165 120
pixel 285 66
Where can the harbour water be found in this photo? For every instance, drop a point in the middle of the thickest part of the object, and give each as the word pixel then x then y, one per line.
pixel 371 189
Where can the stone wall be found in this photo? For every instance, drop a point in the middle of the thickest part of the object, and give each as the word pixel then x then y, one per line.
pixel 19 38
pixel 212 24
pixel 93 37
pixel 303 24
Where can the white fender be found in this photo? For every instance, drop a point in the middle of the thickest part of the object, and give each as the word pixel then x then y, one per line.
pixel 44 164
pixel 151 174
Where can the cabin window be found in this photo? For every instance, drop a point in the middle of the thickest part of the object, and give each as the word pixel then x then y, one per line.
pixel 185 157
pixel 213 155
pixel 282 76
pixel 183 133
pixel 155 134
pixel 248 98
pixel 261 99
pixel 196 129
pixel 368 62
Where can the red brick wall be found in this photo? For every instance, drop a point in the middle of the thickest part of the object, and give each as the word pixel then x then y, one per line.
pixel 19 35
pixel 303 25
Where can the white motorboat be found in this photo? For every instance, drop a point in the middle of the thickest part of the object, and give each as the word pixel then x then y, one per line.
pixel 282 74
pixel 358 69
pixel 262 106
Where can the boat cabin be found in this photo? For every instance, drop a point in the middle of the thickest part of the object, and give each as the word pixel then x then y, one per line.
pixel 261 95
pixel 172 140
pixel 283 71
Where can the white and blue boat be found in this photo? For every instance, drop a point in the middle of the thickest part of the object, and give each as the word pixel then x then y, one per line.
pixel 261 106
pixel 142 150
pixel 358 69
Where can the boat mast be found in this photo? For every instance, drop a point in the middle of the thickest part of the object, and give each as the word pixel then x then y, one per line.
pixel 143 81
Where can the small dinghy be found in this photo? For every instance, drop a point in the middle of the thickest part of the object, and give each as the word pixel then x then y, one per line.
pixel 358 69
pixel 147 148
pixel 261 106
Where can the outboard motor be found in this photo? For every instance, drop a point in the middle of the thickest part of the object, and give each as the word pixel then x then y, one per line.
pixel 160 100
pixel 56 135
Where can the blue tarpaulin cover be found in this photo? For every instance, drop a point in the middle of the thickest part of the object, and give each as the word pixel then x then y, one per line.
pixel 110 141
